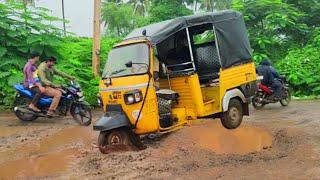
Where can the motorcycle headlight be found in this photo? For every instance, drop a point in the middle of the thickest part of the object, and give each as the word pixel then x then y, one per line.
pixel 132 97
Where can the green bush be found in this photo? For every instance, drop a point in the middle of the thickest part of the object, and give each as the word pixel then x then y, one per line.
pixel 74 57
pixel 301 67
pixel 22 31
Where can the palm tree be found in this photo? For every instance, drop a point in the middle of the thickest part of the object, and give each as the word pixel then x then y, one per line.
pixel 211 5
pixel 140 6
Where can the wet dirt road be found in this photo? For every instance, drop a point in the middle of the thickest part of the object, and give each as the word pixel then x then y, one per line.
pixel 273 143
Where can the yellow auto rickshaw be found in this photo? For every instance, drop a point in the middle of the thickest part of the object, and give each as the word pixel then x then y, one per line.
pixel 166 75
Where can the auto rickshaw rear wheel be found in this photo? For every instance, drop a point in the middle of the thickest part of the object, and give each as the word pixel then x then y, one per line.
pixel 114 140
pixel 232 118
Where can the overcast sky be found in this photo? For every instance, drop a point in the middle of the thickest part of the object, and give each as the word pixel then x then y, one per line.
pixel 78 12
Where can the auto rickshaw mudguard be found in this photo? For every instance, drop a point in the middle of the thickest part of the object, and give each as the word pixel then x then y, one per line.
pixel 111 120
pixel 235 93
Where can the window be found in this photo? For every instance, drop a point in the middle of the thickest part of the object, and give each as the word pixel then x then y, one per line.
pixel 136 54
pixel 204 37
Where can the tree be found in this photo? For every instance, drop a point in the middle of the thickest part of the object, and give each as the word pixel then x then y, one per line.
pixel 118 18
pixel 141 7
pixel 211 5
pixel 273 25
pixel 162 10
pixel 301 67
pixel 25 2
pixel 311 8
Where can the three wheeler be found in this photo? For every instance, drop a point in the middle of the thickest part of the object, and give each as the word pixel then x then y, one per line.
pixel 166 75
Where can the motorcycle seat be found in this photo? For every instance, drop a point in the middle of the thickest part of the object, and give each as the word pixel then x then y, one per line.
pixel 265 88
pixel 26 92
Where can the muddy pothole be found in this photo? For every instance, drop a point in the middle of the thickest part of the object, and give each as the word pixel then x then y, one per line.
pixel 243 140
pixel 51 155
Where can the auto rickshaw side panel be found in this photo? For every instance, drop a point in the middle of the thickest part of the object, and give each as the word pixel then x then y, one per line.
pixel 190 95
pixel 236 76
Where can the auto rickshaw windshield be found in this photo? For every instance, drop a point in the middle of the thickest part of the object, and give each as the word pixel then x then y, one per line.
pixel 127 60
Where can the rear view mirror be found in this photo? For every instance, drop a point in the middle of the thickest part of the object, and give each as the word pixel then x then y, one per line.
pixel 129 64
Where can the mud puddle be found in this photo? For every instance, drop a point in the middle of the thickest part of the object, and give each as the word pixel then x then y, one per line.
pixel 50 155
pixel 211 135
pixel 38 165
pixel 9 130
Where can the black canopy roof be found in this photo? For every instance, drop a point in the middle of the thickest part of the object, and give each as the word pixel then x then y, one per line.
pixel 231 33
pixel 160 31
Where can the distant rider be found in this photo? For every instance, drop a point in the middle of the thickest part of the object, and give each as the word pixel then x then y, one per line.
pixel 270 77
pixel 46 73
pixel 32 82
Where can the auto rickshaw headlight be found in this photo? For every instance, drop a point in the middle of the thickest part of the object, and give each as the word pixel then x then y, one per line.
pixel 132 97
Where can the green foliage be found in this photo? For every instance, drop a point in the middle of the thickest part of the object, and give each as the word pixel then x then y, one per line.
pixel 118 18
pixel 74 58
pixel 210 5
pixel 21 31
pixel 311 8
pixel 273 26
pixel 207 36
pixel 162 10
pixel 301 67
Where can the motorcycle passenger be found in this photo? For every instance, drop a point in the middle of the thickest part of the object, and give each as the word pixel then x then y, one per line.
pixel 32 82
pixel 46 73
pixel 268 72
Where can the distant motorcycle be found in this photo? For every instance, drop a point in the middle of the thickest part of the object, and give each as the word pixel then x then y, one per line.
pixel 72 100
pixel 264 95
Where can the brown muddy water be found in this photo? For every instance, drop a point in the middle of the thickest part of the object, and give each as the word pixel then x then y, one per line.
pixel 56 153
pixel 49 156
pixel 243 140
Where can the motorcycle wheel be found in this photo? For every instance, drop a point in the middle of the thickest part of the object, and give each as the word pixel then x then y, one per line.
pixel 22 102
pixel 81 113
pixel 287 98
pixel 256 103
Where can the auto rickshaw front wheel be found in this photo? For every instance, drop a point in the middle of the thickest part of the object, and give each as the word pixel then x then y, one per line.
pixel 121 139
pixel 232 118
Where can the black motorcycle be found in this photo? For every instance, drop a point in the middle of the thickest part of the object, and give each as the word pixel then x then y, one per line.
pixel 72 100
pixel 264 95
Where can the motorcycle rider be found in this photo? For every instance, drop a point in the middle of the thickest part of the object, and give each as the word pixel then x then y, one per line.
pixel 270 76
pixel 46 73
pixel 32 82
